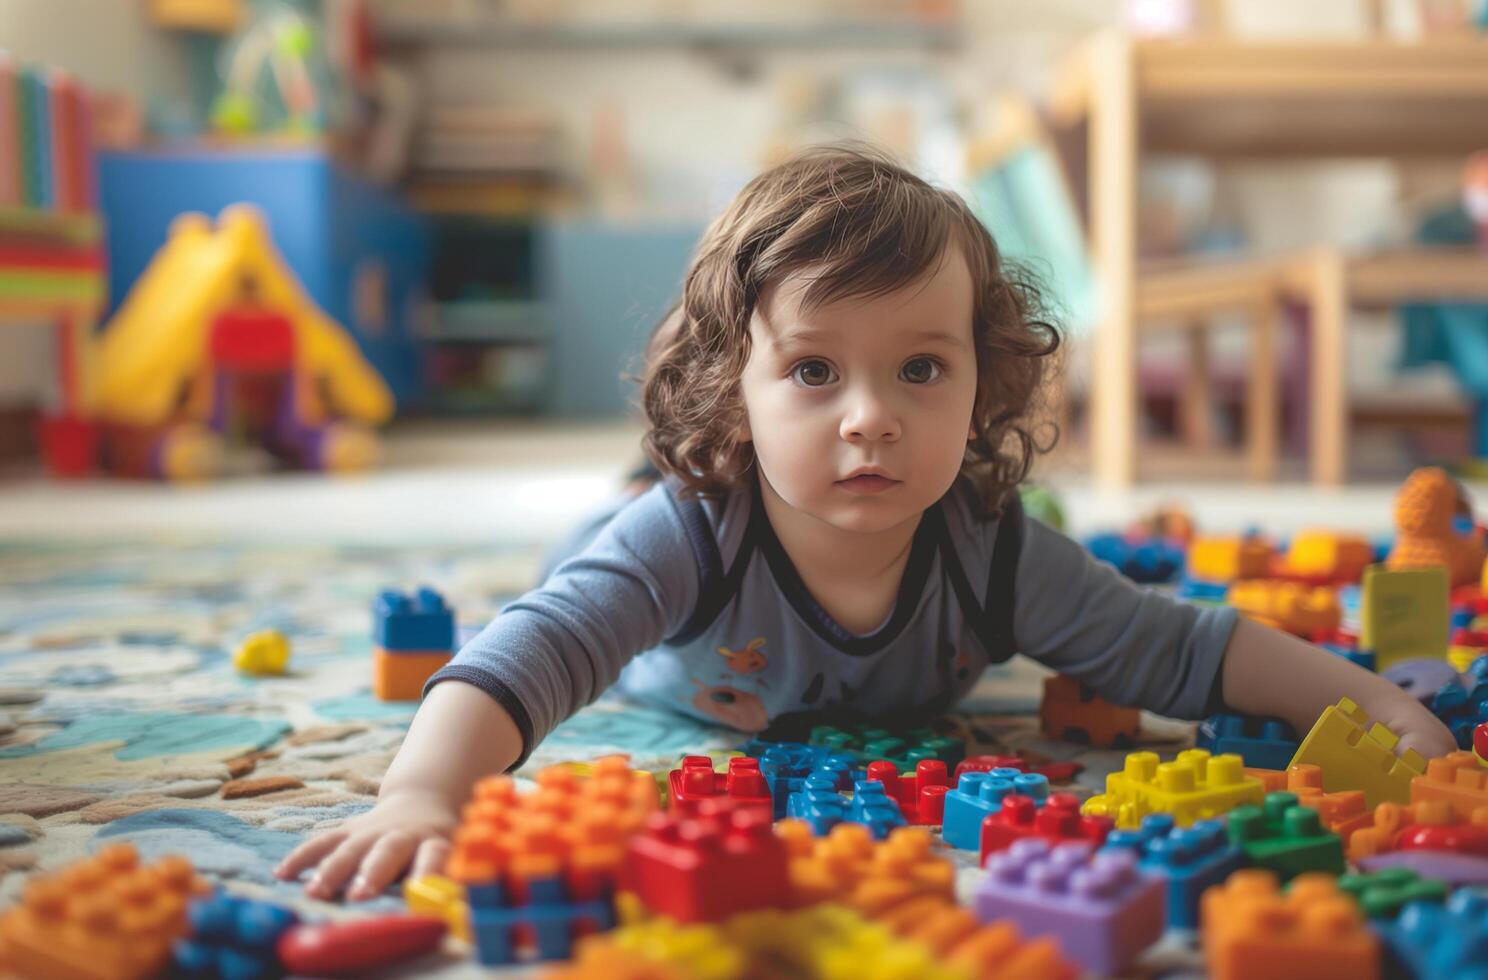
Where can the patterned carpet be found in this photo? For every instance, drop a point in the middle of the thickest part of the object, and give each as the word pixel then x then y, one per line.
pixel 121 715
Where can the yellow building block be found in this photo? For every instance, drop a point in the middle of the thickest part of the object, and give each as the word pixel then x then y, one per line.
pixel 1330 554
pixel 263 652
pixel 1300 609
pixel 1195 786
pixel 1227 558
pixel 441 897
pixel 1404 614
pixel 1356 755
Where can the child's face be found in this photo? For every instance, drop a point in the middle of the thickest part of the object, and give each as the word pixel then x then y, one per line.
pixel 886 382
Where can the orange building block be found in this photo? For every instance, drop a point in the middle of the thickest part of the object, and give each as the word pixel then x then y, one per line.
pixel 401 676
pixel 1300 609
pixel 1071 711
pixel 1455 778
pixel 103 918
pixel 847 866
pixel 1313 932
pixel 1381 834
pixel 1227 558
pixel 1342 812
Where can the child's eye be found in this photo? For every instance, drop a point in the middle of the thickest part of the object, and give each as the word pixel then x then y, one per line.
pixel 812 374
pixel 920 370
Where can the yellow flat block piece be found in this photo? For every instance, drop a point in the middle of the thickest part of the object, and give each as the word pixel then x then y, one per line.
pixel 1462 658
pixel 1227 558
pixel 401 676
pixel 441 897
pixel 1195 786
pixel 1354 754
pixel 1404 614
pixel 1340 556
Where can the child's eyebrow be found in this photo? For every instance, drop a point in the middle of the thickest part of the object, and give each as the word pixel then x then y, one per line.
pixel 805 335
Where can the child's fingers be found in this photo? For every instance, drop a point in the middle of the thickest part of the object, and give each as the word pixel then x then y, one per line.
pixel 335 869
pixel 382 864
pixel 432 854
pixel 309 853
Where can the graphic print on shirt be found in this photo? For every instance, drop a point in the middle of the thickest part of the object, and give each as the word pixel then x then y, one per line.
pixel 731 706
pixel 747 660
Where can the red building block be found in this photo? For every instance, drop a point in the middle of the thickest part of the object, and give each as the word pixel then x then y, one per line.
pixel 707 867
pixel 921 797
pixel 986 763
pixel 1058 821
pixel 338 948
pixel 696 781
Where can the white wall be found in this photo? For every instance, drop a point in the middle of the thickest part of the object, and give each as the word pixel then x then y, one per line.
pixel 109 45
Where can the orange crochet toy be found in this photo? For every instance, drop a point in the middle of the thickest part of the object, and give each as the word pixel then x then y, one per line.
pixel 1425 508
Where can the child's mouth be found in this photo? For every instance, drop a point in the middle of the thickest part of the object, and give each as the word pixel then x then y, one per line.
pixel 867 483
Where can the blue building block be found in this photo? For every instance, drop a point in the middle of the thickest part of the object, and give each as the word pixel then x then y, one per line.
pixel 1197 590
pixel 1264 743
pixel 417 623
pixel 1461 708
pixel 1150 562
pixel 1429 940
pixel 548 916
pixel 1189 858
pixel 822 804
pixel 233 938
pixel 978 795
pixel 786 766
pixel 1355 656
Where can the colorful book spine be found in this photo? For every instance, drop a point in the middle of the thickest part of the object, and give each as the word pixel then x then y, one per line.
pixel 59 109
pixel 10 136
pixel 46 195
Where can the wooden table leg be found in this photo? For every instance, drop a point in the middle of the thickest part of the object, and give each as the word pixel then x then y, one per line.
pixel 1113 212
pixel 1329 396
pixel 1262 394
pixel 1196 398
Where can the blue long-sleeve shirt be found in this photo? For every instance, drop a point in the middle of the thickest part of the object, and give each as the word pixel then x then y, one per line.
pixel 696 605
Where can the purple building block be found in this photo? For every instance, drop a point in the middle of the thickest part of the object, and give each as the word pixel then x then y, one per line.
pixel 1457 870
pixel 1099 906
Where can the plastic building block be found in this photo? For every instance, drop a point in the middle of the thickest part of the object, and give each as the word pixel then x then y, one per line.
pixel 1149 561
pixel 401 676
pixel 1355 755
pixel 1190 859
pixel 1285 838
pixel 1351 653
pixel 1101 909
pixel 441 897
pixel 786 766
pixel 540 867
pixel 233 937
pixel 1462 838
pixel 1480 744
pixel 1383 894
pixel 1071 711
pixel 1461 709
pixel 822 805
pixel 1058 821
pixel 263 652
pixel 1056 772
pixel 102 918
pixel 1342 812
pixel 1227 558
pixel 1312 932
pixel 905 748
pixel 1434 940
pixel 1404 614
pixel 725 860
pixel 696 781
pixel 921 797
pixel 1422 677
pixel 1299 609
pixel 340 948
pixel 1430 824
pixel 980 794
pixel 877 878
pixel 1327 556
pixel 1455 778
pixel 420 623
pixel 1199 591
pixel 1264 743
pixel 1195 786
pixel 1457 870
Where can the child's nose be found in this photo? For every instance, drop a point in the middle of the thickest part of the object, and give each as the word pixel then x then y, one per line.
pixel 870 418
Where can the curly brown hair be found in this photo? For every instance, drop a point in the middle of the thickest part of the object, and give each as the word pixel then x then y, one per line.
pixel 865 226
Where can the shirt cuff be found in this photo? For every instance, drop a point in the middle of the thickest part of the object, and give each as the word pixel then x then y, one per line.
pixel 499 692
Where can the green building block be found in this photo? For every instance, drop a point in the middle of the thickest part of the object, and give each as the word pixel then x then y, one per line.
pixel 1382 894
pixel 1285 838
pixel 871 743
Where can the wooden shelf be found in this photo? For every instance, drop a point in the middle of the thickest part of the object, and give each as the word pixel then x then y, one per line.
pixel 504 33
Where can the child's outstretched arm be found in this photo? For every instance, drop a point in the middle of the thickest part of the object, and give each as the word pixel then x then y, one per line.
pixel 459 735
pixel 1267 672
pixel 545 656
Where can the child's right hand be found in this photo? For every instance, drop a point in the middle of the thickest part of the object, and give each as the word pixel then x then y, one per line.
pixel 405 828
